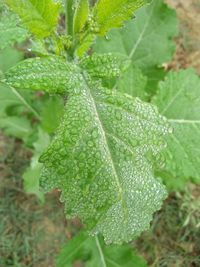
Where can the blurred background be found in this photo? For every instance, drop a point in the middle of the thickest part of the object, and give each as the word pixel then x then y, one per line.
pixel 32 230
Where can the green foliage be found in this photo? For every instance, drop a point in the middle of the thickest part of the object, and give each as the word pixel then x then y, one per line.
pixel 98 155
pixel 80 16
pixel 93 252
pixel 52 111
pixel 112 14
pixel 145 41
pixel 111 128
pixel 8 58
pixel 108 142
pixel 31 175
pixel 178 99
pixel 104 66
pixel 10 32
pixel 18 127
pixel 11 106
pixel 50 74
pixel 39 17
pixel 133 82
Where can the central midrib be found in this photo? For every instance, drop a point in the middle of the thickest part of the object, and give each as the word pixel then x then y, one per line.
pixel 103 132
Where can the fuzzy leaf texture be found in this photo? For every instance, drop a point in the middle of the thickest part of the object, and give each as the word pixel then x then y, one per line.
pixel 178 99
pixel 102 152
pixel 104 65
pixel 145 41
pixel 50 74
pixel 39 17
pixel 10 32
pixel 81 15
pixel 53 74
pixel 93 252
pixel 112 14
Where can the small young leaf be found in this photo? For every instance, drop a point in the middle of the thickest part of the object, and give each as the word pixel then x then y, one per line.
pixel 39 17
pixel 51 74
pixel 111 14
pixel 81 15
pixel 104 65
pixel 93 252
pixel 85 44
pixel 178 99
pixel 98 160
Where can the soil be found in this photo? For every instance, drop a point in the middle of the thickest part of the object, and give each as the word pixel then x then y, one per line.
pixel 188 41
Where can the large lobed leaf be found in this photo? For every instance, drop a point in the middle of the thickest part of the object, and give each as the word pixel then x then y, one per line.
pixel 145 41
pixel 178 99
pixel 112 14
pixel 38 16
pixel 101 155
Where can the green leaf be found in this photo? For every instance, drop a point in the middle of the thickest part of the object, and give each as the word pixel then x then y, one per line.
pixel 51 74
pixel 173 183
pixel 145 41
pixel 104 65
pixel 10 32
pixel 39 17
pixel 100 159
pixel 15 126
pixel 16 109
pixel 102 152
pixel 10 98
pixel 51 113
pixel 178 99
pixel 85 44
pixel 81 15
pixel 111 14
pixel 32 174
pixel 133 82
pixel 9 57
pixel 155 75
pixel 93 252
pixel 7 98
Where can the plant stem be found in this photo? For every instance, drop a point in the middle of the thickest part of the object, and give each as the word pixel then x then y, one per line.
pixel 69 16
